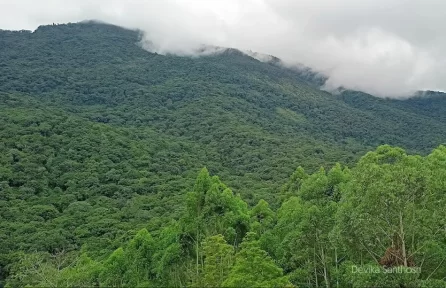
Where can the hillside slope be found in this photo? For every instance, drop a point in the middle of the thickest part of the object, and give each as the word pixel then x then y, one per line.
pixel 99 72
pixel 253 121
pixel 92 122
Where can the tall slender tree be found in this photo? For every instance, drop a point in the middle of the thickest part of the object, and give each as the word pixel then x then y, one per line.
pixel 254 268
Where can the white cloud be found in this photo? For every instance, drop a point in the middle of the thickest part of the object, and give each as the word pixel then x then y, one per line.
pixel 384 47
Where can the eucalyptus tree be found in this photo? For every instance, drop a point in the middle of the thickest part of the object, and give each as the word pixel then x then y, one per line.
pixel 392 211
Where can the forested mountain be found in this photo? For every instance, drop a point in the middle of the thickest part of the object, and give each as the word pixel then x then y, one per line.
pixel 101 141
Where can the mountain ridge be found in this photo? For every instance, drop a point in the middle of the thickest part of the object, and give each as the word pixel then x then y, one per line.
pixel 99 73
pixel 101 138
pixel 316 78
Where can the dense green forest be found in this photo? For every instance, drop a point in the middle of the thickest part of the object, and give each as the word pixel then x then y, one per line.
pixel 102 142
pixel 385 216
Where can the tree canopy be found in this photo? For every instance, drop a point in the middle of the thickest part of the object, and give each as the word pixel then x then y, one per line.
pixel 102 142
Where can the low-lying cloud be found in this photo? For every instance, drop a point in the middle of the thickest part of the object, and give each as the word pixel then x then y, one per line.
pixel 389 48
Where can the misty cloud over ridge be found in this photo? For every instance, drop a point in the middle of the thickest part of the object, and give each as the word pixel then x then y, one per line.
pixel 384 47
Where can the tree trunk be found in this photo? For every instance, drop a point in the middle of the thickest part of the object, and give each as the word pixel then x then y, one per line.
pixel 315 267
pixel 197 259
pixel 337 272
pixel 403 243
pixel 326 277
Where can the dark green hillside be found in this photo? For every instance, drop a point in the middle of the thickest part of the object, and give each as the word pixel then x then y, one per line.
pixel 428 104
pixel 100 138
pixel 408 116
pixel 332 224
pixel 100 73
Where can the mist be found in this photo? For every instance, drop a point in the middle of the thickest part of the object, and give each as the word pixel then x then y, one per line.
pixel 388 48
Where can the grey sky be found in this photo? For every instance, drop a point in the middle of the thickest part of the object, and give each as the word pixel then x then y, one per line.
pixel 385 47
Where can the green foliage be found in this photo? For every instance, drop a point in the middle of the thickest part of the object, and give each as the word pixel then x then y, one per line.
pixel 61 269
pixel 397 200
pixel 132 266
pixel 169 257
pixel 254 268
pixel 262 218
pixel 139 259
pixel 334 231
pixel 101 141
pixel 291 115
pixel 212 208
pixel 85 273
pixel 294 183
pixel 114 269
pixel 218 260
pixel 303 231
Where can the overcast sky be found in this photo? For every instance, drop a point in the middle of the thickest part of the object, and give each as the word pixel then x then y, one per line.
pixel 384 47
